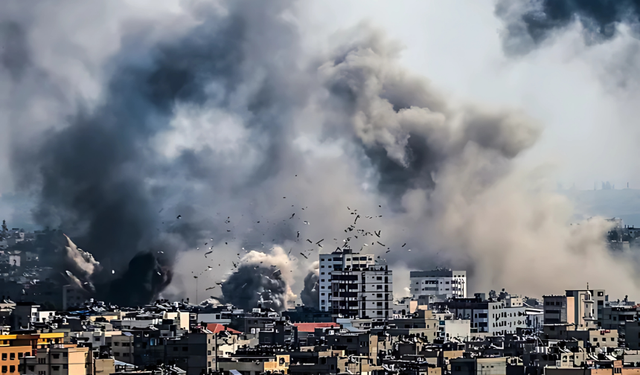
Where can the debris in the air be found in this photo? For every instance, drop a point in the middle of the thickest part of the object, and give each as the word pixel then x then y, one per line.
pixel 381 244
pixel 179 217
pixel 211 287
pixel 377 233
pixel 305 257
pixel 356 220
pixel 306 222
pixel 404 244
pixel 292 215
pixel 308 240
pixel 318 243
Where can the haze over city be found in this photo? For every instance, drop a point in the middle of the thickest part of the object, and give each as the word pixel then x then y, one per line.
pixel 216 153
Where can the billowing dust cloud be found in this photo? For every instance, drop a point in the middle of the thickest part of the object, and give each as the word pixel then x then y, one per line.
pixel 226 134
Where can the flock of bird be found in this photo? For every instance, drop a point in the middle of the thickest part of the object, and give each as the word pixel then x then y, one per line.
pixel 365 238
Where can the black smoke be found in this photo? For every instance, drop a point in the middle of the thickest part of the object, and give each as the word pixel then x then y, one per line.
pixel 99 177
pixel 310 295
pixel 252 285
pixel 528 24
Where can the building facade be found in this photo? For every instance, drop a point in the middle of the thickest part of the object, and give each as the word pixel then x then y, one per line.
pixel 338 261
pixel 452 284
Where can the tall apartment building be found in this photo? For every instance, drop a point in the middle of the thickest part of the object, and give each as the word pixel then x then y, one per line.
pixel 353 286
pixel 338 261
pixel 445 282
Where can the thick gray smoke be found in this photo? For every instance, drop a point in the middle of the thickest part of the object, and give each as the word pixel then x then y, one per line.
pixel 310 293
pixel 226 135
pixel 530 23
pixel 143 279
pixel 259 281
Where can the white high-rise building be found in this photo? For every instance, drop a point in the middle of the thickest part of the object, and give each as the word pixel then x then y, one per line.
pixel 452 284
pixel 352 285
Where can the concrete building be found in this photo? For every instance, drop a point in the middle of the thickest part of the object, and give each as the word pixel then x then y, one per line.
pixel 632 335
pixel 362 293
pixel 338 261
pixel 452 284
pixel 479 366
pixel 498 317
pixel 122 346
pixel 557 310
pixel 588 306
pixel 11 356
pixel 59 360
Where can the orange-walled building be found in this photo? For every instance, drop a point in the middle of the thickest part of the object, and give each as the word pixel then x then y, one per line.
pixel 10 358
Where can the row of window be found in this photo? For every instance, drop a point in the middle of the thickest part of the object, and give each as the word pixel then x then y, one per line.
pixel 12 356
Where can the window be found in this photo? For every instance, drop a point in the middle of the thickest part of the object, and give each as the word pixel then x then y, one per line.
pixel 4 356
pixel 4 369
pixel 56 356
pixel 65 367
pixel 65 355
pixel 116 344
pixel 12 368
pixel 56 368
pixel 175 348
pixel 184 348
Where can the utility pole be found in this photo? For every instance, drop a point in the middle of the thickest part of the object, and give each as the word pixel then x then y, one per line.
pixel 196 277
pixel 215 335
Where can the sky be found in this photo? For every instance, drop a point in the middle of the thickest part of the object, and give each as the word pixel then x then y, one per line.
pixel 138 123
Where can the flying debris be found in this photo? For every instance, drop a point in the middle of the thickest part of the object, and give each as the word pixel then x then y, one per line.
pixel 179 217
pixel 381 244
pixel 305 257
pixel 404 244
pixel 308 240
pixel 306 222
pixel 292 215
pixel 356 220
pixel 377 233
pixel 388 251
pixel 211 287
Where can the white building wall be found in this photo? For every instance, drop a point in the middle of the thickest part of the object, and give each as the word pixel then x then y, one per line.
pixel 439 282
pixel 337 261
pixel 458 328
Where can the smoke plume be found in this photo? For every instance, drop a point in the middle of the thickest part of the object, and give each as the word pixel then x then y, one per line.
pixel 227 134
pixel 529 24
pixel 310 293
pixel 259 281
